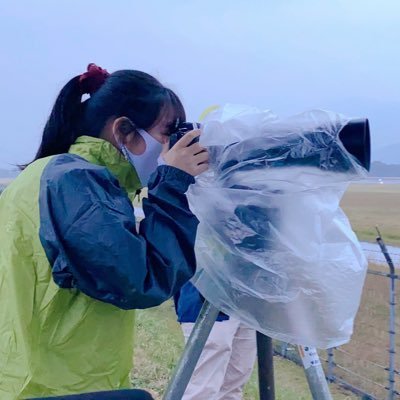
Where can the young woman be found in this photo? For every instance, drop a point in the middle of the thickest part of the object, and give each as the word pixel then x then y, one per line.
pixel 72 265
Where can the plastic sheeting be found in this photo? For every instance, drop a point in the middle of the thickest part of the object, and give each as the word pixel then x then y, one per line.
pixel 274 249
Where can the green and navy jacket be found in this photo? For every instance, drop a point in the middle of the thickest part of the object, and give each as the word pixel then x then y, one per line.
pixel 73 267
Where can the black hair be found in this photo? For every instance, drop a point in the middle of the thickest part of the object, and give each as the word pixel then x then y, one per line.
pixel 178 109
pixel 126 93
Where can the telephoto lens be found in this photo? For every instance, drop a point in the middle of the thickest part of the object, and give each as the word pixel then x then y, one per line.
pixel 317 148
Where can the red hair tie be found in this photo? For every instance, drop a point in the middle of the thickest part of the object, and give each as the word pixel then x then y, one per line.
pixel 91 80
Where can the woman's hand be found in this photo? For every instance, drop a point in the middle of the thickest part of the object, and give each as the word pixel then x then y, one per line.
pixel 192 159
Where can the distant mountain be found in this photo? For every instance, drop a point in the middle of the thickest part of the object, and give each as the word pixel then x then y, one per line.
pixel 389 154
pixel 380 169
pixel 8 173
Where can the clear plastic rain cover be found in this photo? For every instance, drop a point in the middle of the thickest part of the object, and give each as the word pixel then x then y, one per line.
pixel 274 249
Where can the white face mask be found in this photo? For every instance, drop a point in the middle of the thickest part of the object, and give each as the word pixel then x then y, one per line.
pixel 146 163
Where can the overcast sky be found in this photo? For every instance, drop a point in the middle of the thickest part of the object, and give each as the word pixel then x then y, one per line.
pixel 285 55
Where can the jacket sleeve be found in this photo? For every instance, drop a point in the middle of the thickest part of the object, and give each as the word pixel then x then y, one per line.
pixel 89 235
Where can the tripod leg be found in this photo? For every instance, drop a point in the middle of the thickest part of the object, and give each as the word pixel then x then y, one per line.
pixel 314 373
pixel 191 354
pixel 265 354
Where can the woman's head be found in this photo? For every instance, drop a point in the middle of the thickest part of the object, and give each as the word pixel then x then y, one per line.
pixel 119 105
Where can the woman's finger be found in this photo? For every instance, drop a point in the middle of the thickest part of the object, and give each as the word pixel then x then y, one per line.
pixel 201 158
pixel 187 139
pixel 196 148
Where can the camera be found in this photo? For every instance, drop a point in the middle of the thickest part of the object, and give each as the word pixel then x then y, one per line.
pixel 270 219
pixel 181 129
pixel 263 156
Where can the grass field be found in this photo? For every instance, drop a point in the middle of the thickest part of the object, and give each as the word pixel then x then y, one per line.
pixel 367 352
pixel 160 343
pixel 361 362
pixel 370 205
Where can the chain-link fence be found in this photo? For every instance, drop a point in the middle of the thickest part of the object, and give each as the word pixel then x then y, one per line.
pixel 369 365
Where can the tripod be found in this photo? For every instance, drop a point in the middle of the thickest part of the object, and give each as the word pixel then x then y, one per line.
pixel 191 354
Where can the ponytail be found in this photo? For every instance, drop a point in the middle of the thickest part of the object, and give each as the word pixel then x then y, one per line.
pixel 64 123
pixel 126 93
pixel 62 127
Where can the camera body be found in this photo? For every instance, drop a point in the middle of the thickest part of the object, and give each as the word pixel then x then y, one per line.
pixel 181 130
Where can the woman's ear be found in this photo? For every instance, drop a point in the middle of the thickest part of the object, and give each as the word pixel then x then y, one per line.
pixel 126 133
pixel 122 127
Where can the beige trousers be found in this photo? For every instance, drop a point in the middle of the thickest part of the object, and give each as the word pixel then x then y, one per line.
pixel 225 364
